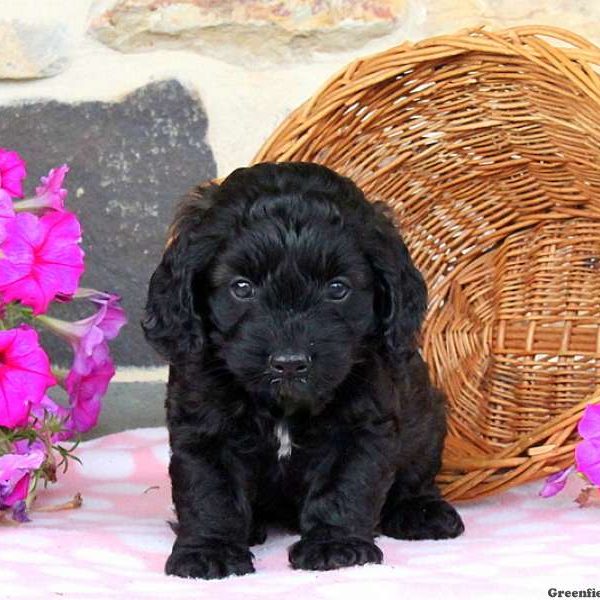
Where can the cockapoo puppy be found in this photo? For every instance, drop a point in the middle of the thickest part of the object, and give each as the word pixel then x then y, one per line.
pixel 289 309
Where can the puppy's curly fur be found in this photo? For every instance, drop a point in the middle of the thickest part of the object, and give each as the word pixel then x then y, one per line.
pixel 289 309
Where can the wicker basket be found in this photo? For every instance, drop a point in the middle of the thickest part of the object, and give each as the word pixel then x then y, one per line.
pixel 487 147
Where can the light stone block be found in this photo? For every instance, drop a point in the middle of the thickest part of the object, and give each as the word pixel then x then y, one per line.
pixel 249 32
pixel 38 38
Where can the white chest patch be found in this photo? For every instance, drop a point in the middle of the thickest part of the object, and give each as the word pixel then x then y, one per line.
pixel 285 441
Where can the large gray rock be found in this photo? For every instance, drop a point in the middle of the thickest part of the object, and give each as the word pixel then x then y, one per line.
pixel 130 163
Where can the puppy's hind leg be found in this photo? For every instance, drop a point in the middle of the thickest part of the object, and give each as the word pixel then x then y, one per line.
pixel 418 513
pixel 258 532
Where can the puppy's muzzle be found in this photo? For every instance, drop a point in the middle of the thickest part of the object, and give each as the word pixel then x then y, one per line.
pixel 289 378
pixel 289 365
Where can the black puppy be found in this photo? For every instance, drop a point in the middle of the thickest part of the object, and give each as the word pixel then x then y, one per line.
pixel 289 308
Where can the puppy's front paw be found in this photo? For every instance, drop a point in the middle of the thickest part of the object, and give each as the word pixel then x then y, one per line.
pixel 324 555
pixel 422 519
pixel 209 562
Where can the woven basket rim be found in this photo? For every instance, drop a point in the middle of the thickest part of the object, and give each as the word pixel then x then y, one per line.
pixel 507 42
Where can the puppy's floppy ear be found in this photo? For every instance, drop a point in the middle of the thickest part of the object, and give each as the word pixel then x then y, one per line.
pixel 172 323
pixel 400 290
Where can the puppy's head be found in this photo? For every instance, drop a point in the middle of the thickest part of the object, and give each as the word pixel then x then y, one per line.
pixel 288 276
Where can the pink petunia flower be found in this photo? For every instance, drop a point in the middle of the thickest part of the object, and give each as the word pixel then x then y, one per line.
pixel 24 374
pixel 15 472
pixel 40 257
pixel 6 212
pixel 6 205
pixel 587 452
pixel 49 194
pixel 12 172
pixel 87 334
pixel 86 388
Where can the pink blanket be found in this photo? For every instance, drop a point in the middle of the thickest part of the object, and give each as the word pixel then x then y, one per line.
pixel 516 545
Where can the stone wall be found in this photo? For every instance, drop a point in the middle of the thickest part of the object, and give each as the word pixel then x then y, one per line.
pixel 145 97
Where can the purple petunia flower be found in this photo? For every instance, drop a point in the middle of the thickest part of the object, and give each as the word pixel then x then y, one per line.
pixel 87 387
pixel 587 452
pixel 49 194
pixel 47 407
pixel 87 334
pixel 556 482
pixel 15 472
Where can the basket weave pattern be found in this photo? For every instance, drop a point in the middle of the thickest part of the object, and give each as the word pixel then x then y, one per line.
pixel 487 148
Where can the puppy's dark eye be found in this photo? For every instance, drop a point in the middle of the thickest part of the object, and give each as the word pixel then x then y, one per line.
pixel 337 290
pixel 242 289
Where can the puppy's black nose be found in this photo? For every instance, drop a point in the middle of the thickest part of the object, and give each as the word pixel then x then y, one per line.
pixel 289 364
